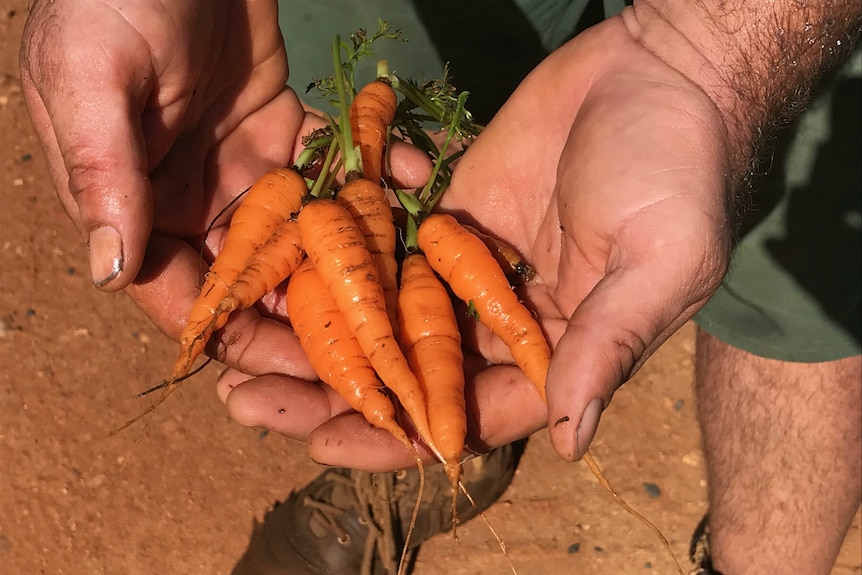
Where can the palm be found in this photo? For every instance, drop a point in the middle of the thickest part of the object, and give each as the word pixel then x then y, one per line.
pixel 249 123
pixel 607 182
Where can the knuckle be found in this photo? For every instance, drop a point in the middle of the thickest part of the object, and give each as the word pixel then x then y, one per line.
pixel 88 170
pixel 630 350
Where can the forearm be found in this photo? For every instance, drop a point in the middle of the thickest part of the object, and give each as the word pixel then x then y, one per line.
pixel 756 60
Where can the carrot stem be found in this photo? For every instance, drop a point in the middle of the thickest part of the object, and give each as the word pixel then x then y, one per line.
pixel 434 187
pixel 310 150
pixel 351 159
pixel 422 202
pixel 420 99
pixel 326 176
pixel 382 69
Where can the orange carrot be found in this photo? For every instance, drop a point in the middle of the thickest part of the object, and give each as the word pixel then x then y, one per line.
pixel 466 264
pixel 371 113
pixel 370 209
pixel 334 351
pixel 431 341
pixel 335 354
pixel 270 201
pixel 338 251
pixel 362 135
pixel 270 265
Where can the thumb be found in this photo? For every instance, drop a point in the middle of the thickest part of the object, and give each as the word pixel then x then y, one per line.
pixel 622 321
pixel 91 132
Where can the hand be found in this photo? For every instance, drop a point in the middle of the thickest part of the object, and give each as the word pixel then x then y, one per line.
pixel 618 196
pixel 153 117
pixel 606 169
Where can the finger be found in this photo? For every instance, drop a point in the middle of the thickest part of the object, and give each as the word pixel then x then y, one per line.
pixel 350 441
pixel 258 345
pixel 290 406
pixel 411 167
pixel 297 408
pixel 86 110
pixel 167 283
pixel 609 336
pixel 166 289
pixel 228 380
pixel 188 200
pixel 502 406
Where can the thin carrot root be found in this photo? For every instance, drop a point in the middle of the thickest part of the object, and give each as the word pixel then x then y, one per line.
pixel 169 386
pixel 466 264
pixel 403 562
pixel 603 481
pixel 490 527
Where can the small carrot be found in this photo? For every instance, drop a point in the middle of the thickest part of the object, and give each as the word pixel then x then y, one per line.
pixel 431 341
pixel 334 351
pixel 466 264
pixel 372 111
pixel 270 201
pixel 370 209
pixel 338 251
pixel 270 265
pixel 337 358
pixel 369 115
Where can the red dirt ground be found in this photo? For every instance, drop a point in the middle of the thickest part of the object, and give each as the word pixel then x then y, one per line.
pixel 179 496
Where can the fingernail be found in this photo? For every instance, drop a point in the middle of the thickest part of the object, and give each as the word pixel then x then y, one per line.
pixel 588 425
pixel 106 255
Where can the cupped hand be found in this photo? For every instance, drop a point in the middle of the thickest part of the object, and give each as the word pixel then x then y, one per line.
pixel 607 170
pixel 153 117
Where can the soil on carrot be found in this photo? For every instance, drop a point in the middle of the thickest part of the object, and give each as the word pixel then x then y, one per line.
pixel 179 495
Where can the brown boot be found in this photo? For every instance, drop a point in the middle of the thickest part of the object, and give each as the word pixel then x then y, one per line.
pixel 698 551
pixel 349 522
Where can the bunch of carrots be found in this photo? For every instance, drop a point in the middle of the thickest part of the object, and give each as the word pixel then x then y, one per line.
pixel 375 318
pixel 371 301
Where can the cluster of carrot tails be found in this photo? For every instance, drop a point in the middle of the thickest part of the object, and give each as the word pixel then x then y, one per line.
pixel 371 301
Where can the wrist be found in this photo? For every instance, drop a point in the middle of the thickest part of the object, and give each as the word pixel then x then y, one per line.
pixel 756 60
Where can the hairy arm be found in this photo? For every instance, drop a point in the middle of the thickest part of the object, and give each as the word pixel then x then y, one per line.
pixel 757 60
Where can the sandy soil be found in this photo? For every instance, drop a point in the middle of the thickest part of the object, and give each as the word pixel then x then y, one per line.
pixel 179 495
